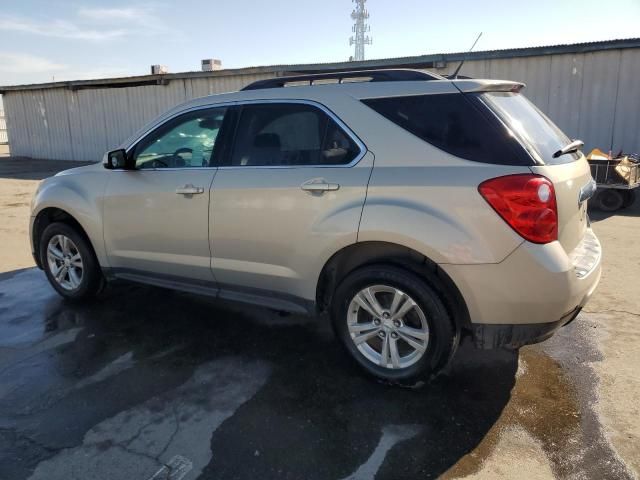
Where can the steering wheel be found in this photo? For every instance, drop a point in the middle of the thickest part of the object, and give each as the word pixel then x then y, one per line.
pixel 177 160
pixel 155 163
pixel 182 150
pixel 173 160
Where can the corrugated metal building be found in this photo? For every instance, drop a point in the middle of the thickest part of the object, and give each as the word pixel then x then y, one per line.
pixel 3 128
pixel 591 90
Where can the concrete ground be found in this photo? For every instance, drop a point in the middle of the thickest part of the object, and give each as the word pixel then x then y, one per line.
pixel 147 383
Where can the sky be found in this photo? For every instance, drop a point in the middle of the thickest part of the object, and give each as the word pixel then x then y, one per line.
pixel 45 40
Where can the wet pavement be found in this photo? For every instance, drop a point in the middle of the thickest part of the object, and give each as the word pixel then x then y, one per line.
pixel 148 383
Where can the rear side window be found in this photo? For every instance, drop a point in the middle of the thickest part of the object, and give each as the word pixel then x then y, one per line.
pixel 455 124
pixel 290 134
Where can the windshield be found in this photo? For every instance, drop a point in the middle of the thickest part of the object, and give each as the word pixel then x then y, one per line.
pixel 532 127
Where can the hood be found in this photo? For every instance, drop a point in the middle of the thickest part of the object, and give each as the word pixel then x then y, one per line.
pixel 86 169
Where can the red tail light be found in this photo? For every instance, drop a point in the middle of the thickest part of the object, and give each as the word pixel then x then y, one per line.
pixel 527 203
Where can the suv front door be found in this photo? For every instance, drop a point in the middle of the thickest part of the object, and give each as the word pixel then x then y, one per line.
pixel 289 195
pixel 156 216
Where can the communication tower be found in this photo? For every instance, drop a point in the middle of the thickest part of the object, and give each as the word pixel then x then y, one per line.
pixel 360 29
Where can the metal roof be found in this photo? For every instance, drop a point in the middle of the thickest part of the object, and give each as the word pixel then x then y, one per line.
pixel 420 61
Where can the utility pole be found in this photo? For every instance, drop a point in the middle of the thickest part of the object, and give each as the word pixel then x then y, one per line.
pixel 360 28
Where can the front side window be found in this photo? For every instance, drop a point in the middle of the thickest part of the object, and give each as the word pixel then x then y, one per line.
pixel 187 141
pixel 290 134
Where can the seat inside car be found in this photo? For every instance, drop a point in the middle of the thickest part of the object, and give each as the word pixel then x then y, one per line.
pixel 266 150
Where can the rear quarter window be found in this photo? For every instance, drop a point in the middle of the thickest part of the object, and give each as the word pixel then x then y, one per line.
pixel 455 124
pixel 534 129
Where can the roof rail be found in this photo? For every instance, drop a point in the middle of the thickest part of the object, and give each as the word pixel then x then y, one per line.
pixel 382 75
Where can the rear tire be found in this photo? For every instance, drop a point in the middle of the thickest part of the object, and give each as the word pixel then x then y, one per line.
pixel 610 200
pixel 416 327
pixel 69 262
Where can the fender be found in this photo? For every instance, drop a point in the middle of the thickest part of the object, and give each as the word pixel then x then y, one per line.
pixel 78 192
pixel 432 210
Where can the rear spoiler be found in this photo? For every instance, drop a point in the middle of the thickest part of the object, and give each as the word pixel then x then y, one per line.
pixel 475 85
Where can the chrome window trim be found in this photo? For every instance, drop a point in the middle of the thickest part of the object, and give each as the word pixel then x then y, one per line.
pixel 313 103
pixel 158 125
pixel 165 169
pixel 155 126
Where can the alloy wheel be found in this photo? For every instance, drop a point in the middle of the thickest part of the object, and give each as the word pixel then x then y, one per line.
pixel 388 327
pixel 65 262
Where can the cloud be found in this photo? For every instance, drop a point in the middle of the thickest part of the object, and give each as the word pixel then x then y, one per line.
pixel 57 29
pixel 126 14
pixel 92 73
pixel 19 68
pixel 143 17
pixel 93 24
pixel 25 63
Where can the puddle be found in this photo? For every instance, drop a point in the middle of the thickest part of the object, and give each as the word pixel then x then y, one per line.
pixel 77 377
pixel 543 404
pixel 552 401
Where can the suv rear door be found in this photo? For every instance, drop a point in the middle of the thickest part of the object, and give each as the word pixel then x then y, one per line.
pixel 289 194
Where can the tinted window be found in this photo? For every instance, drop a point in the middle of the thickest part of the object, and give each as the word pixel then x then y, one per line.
pixel 455 124
pixel 530 125
pixel 187 141
pixel 290 135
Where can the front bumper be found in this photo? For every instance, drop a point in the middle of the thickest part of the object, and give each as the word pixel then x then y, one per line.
pixel 34 254
pixel 530 294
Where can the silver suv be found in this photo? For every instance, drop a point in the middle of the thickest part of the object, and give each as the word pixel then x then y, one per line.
pixel 414 209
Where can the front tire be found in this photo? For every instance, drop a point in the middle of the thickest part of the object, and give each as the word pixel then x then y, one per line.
pixel 69 262
pixel 393 323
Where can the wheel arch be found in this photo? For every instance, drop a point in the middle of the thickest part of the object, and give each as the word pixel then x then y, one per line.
pixel 47 216
pixel 361 254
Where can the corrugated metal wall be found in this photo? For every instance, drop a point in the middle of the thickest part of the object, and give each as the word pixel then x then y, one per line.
pixel 593 96
pixel 3 128
pixel 57 123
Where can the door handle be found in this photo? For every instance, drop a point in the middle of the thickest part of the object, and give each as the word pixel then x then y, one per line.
pixel 319 186
pixel 189 190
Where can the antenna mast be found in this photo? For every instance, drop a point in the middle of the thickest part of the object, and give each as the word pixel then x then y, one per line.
pixel 455 74
pixel 360 28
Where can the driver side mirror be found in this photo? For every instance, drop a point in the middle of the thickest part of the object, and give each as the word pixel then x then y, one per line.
pixel 117 160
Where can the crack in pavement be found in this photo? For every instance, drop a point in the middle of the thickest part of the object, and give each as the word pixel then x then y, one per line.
pixel 136 435
pixel 201 404
pixel 137 453
pixel 176 419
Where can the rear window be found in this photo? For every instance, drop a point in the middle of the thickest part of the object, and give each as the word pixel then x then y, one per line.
pixel 534 129
pixel 454 123
pixel 290 134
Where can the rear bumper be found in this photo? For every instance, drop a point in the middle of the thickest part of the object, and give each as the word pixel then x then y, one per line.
pixel 530 294
pixel 516 336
